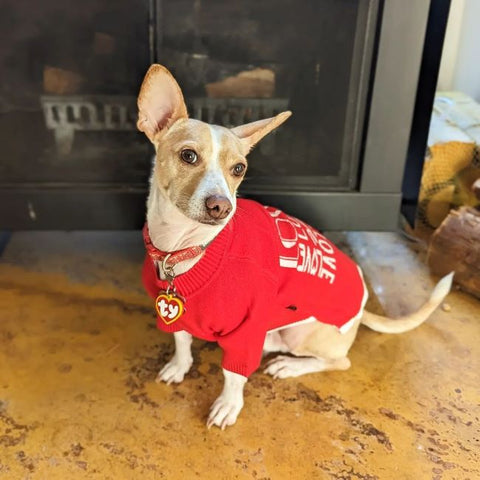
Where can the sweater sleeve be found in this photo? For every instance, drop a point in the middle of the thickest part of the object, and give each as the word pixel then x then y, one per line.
pixel 243 346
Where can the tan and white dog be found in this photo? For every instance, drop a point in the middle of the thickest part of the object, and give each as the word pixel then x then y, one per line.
pixel 196 174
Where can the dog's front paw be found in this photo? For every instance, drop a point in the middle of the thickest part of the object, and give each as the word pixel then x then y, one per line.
pixel 224 411
pixel 174 371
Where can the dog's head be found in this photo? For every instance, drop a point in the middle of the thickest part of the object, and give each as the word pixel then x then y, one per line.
pixel 198 166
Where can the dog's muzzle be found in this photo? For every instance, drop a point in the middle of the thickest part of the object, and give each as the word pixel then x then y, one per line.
pixel 218 207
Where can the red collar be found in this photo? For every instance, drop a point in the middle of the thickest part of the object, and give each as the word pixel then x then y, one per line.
pixel 174 257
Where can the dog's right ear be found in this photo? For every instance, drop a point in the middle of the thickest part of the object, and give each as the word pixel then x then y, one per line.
pixel 160 101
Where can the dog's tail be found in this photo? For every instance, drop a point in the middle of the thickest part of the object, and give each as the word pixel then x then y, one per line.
pixel 409 322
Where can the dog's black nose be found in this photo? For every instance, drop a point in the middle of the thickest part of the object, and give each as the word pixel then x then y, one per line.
pixel 218 207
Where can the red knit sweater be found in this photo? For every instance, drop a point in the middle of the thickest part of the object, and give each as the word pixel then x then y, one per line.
pixel 265 270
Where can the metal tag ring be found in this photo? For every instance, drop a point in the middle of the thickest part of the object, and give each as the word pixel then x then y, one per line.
pixel 168 269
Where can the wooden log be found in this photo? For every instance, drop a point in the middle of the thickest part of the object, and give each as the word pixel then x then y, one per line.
pixel 256 83
pixel 60 81
pixel 455 246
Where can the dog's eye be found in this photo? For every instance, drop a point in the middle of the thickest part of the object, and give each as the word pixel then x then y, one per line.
pixel 189 156
pixel 238 169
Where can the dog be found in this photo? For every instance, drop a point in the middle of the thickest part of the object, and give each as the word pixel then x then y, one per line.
pixel 249 277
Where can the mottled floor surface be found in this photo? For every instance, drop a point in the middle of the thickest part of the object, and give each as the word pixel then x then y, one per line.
pixel 79 353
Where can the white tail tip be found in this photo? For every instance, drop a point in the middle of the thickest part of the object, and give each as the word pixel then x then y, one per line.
pixel 442 288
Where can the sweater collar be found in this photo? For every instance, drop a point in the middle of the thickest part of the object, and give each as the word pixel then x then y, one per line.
pixel 170 258
pixel 203 271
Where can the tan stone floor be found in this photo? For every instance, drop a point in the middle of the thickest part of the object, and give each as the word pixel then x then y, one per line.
pixel 79 353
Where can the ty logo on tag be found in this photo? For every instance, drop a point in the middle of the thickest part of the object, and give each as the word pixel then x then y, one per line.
pixel 169 307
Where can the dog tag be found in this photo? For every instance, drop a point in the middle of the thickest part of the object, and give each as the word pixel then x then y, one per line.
pixel 169 306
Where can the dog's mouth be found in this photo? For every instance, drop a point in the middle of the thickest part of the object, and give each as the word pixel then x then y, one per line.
pixel 202 217
pixel 210 222
pixel 207 220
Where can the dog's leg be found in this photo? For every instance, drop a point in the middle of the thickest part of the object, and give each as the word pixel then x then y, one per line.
pixel 227 406
pixel 318 347
pixel 174 371
pixel 274 343
pixel 284 366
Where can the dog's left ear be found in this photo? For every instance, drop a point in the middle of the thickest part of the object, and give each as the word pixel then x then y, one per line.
pixel 160 101
pixel 251 133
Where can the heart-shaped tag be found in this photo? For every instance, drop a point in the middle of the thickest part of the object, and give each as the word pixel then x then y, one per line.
pixel 169 307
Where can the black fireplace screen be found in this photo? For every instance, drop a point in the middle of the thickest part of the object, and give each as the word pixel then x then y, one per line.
pixel 71 70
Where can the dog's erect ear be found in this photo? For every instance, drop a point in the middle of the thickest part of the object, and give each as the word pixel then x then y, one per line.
pixel 251 133
pixel 160 101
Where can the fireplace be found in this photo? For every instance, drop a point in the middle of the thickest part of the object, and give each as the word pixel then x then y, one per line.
pixel 348 69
